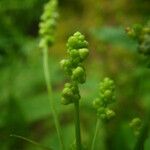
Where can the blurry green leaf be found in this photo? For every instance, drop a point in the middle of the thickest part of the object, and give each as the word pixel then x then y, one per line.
pixel 115 36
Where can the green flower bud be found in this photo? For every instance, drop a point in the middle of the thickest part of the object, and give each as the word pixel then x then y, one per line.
pixel 70 94
pixel 67 93
pixel 105 113
pixel 107 88
pixel 84 52
pixel 66 65
pixel 101 112
pixel 77 51
pixel 74 53
pixel 110 114
pixel 107 96
pixel 136 123
pixel 78 74
pixel 48 24
pixel 77 41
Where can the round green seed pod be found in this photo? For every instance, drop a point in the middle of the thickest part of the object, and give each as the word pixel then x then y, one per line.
pixel 74 53
pixel 101 112
pixel 136 123
pixel 48 24
pixel 66 65
pixel 67 92
pixel 78 74
pixel 110 114
pixel 83 52
pixel 77 41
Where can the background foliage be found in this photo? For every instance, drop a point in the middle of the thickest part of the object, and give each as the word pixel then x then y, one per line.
pixel 24 106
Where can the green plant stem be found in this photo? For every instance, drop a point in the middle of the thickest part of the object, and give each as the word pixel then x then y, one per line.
pixel 95 134
pixel 30 141
pixel 50 93
pixel 77 125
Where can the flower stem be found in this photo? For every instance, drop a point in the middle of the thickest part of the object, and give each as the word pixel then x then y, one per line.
pixel 95 134
pixel 77 125
pixel 50 93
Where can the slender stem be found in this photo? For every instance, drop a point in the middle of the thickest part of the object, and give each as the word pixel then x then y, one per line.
pixel 50 93
pixel 30 141
pixel 77 126
pixel 95 134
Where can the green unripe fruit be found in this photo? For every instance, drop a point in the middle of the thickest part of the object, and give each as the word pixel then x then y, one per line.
pixel 65 63
pixel 74 53
pixel 67 92
pixel 101 112
pixel 84 52
pixel 108 94
pixel 136 123
pixel 107 88
pixel 78 74
pixel 77 52
pixel 110 114
pixel 48 24
pixel 70 93
pixel 77 41
pixel 105 113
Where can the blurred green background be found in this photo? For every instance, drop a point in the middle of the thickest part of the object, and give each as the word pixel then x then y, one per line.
pixel 24 105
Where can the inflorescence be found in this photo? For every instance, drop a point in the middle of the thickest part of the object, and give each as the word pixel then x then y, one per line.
pixel 142 35
pixel 77 52
pixel 136 125
pixel 106 97
pixel 48 24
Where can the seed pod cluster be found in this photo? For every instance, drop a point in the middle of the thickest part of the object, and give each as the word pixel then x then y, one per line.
pixel 136 124
pixel 106 97
pixel 77 52
pixel 48 24
pixel 142 35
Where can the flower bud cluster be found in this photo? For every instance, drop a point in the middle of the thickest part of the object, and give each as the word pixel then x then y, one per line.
pixel 70 93
pixel 77 52
pixel 106 97
pixel 136 124
pixel 48 24
pixel 142 34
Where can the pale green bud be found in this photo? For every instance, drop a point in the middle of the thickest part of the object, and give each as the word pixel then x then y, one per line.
pixel 78 74
pixel 110 114
pixel 84 52
pixel 77 41
pixel 136 123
